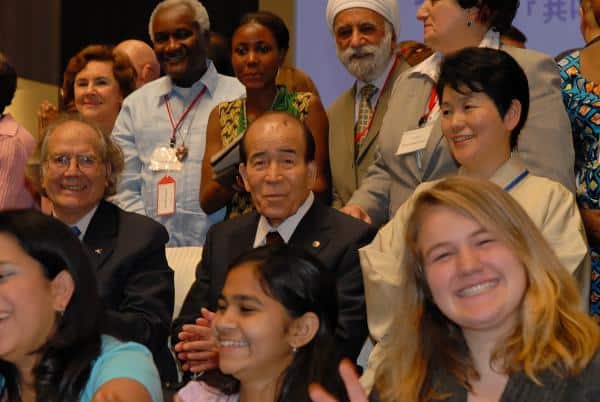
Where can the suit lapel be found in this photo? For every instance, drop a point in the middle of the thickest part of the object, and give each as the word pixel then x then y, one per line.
pixel 244 233
pixel 432 143
pixel 347 132
pixel 313 233
pixel 101 235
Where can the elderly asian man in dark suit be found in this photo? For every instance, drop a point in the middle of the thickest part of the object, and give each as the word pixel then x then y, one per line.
pixel 278 169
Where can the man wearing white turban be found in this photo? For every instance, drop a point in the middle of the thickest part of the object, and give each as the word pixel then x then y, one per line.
pixel 365 33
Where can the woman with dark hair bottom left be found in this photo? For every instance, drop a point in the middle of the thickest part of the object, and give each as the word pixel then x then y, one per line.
pixel 51 345
pixel 275 331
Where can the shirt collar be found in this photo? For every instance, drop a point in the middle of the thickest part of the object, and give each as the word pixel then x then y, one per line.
pixel 209 80
pixel 507 172
pixel 10 127
pixel 431 66
pixel 287 228
pixel 84 222
pixel 379 81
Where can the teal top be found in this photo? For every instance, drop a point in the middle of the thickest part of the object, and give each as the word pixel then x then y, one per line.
pixel 120 360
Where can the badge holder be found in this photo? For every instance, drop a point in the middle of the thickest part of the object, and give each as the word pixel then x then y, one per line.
pixel 165 203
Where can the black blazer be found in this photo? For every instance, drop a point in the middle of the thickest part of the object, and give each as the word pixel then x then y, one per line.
pixel 330 235
pixel 135 282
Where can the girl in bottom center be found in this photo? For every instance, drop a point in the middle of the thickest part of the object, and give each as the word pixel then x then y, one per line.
pixel 275 331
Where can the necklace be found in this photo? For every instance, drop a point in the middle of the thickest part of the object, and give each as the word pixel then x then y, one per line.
pixel 243 122
pixel 590 43
pixel 181 151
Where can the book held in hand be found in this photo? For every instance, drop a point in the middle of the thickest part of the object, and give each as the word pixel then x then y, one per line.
pixel 225 163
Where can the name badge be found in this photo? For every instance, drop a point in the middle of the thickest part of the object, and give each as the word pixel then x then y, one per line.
pixel 414 140
pixel 164 158
pixel 165 203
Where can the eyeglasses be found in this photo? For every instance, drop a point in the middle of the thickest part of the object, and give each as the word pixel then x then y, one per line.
pixel 63 161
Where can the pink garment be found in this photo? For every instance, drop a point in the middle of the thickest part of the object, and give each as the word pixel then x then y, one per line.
pixel 198 391
pixel 16 145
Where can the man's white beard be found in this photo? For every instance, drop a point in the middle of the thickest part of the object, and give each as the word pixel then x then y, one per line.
pixel 373 62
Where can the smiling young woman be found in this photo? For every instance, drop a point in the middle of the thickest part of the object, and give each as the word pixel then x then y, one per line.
pixel 275 329
pixel 54 345
pixel 483 310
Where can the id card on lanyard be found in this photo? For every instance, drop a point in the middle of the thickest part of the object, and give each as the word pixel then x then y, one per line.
pixel 165 196
pixel 416 140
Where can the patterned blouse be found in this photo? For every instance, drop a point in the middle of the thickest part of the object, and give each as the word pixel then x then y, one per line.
pixel 233 121
pixel 582 101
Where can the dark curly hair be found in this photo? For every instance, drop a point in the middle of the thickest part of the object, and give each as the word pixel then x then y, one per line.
pixel 492 72
pixel 123 71
pixel 273 23
pixel 8 82
pixel 498 14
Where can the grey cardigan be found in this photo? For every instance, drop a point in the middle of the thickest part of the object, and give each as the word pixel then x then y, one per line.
pixel 584 387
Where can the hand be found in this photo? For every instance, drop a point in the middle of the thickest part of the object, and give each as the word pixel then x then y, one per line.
pixel 591 221
pixel 413 52
pixel 350 378
pixel 197 348
pixel 356 212
pixel 46 113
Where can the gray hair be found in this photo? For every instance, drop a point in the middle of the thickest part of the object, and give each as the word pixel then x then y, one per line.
pixel 110 153
pixel 197 9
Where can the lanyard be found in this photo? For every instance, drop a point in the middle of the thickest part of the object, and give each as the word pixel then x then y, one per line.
pixel 516 181
pixel 433 98
pixel 590 43
pixel 360 135
pixel 185 113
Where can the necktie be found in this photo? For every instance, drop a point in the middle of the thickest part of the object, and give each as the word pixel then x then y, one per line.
pixel 365 111
pixel 274 238
pixel 75 230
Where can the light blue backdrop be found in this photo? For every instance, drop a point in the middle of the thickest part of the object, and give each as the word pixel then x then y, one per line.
pixel 551 26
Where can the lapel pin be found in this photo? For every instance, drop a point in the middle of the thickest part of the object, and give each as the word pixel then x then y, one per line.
pixel 316 244
pixel 98 251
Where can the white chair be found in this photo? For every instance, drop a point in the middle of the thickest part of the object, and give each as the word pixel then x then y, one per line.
pixel 183 261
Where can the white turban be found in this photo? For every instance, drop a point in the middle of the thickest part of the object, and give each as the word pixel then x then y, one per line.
pixel 388 9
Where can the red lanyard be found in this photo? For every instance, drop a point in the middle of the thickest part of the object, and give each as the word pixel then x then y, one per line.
pixel 360 135
pixel 185 113
pixel 433 98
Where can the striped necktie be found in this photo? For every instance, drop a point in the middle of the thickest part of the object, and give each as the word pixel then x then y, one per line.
pixel 365 111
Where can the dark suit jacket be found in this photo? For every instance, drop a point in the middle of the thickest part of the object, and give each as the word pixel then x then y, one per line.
pixel 331 236
pixel 135 282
